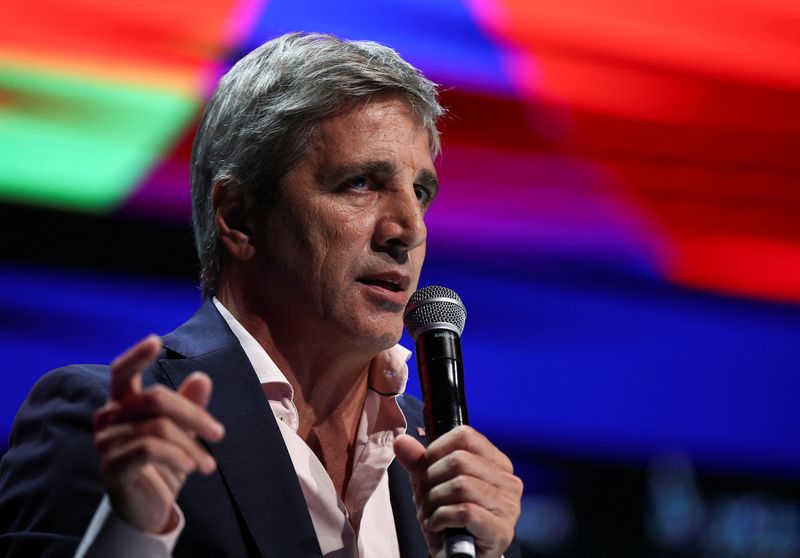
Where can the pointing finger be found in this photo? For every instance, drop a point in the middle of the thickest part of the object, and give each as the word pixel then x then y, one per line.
pixel 126 370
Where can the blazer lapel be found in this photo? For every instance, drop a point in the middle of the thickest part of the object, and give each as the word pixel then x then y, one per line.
pixel 409 534
pixel 252 458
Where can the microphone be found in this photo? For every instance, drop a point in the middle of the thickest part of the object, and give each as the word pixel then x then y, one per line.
pixel 434 318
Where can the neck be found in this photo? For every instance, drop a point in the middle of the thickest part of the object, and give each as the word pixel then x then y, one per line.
pixel 329 378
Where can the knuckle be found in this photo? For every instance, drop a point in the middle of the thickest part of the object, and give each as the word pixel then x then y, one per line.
pixel 455 462
pixel 464 513
pixel 146 448
pixel 462 433
pixel 467 435
pixel 511 509
pixel 515 513
pixel 461 487
pixel 519 486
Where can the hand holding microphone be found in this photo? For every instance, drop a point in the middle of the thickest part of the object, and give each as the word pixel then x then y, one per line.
pixel 467 496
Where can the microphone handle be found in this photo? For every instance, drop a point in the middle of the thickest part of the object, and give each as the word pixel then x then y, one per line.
pixel 441 373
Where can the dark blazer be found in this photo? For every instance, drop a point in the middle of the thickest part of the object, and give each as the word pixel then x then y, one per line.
pixel 251 506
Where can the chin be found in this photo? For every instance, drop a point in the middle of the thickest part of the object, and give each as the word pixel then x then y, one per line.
pixel 380 336
pixel 389 341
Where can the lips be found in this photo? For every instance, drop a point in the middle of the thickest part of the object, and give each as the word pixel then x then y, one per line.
pixel 383 283
pixel 392 281
pixel 392 285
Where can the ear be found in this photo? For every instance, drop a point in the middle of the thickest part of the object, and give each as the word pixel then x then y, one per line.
pixel 231 208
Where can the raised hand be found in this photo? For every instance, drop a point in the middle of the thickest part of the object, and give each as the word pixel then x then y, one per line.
pixel 147 439
pixel 463 480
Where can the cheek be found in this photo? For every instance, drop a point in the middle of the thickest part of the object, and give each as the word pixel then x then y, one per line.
pixel 351 231
pixel 341 241
pixel 303 244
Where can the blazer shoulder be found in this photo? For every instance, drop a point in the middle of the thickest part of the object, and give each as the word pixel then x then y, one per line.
pixel 85 382
pixel 50 477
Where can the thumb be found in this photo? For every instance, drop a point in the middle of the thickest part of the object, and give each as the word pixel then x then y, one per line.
pixel 410 453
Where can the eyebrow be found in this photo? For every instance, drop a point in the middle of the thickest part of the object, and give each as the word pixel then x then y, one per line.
pixel 374 168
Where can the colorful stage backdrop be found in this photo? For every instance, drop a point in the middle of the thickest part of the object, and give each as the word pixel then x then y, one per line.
pixel 620 206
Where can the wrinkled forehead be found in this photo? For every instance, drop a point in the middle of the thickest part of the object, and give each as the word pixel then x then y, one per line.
pixel 368 127
pixel 383 131
pixel 376 113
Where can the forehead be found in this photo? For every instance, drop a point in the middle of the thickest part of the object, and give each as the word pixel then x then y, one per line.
pixel 384 127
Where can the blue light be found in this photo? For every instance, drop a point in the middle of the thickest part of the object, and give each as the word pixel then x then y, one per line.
pixel 577 366
pixel 441 37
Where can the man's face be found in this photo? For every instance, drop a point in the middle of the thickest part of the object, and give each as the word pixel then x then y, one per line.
pixel 341 252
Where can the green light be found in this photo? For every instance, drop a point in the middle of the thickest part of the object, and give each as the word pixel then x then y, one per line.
pixel 81 144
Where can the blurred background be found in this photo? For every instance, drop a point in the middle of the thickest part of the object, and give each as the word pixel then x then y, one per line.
pixel 620 212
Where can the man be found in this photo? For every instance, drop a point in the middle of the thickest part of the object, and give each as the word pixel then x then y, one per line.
pixel 312 171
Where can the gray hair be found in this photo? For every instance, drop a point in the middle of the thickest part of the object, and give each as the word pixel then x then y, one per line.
pixel 265 113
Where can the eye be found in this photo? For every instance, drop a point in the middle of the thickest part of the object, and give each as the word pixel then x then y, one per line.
pixel 423 195
pixel 358 183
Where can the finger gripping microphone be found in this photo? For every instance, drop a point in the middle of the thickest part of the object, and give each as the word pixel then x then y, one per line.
pixel 434 318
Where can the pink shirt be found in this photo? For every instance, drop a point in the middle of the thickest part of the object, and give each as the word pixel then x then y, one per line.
pixel 360 526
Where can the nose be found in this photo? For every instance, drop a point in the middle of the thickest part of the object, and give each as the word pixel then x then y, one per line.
pixel 401 225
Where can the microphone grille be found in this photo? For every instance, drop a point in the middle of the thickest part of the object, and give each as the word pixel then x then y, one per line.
pixel 434 307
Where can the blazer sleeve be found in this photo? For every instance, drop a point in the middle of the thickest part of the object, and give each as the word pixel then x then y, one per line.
pixel 50 477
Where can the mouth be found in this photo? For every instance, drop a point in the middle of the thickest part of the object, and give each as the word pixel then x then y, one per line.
pixel 387 284
pixel 390 283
